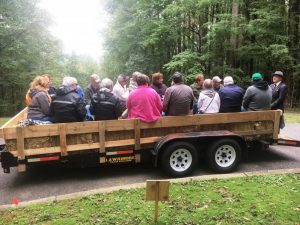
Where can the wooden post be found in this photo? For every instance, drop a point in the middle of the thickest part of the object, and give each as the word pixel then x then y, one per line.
pixel 276 128
pixel 137 134
pixel 157 190
pixel 102 137
pixel 156 201
pixel 20 147
pixel 63 139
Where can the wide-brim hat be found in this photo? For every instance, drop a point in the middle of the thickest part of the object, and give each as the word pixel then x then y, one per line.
pixel 278 73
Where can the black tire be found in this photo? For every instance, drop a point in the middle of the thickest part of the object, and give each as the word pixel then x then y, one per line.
pixel 176 153
pixel 224 155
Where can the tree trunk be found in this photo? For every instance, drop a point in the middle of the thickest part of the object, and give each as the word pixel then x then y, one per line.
pixel 293 34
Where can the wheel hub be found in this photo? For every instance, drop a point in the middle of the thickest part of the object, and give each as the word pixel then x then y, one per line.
pixel 181 160
pixel 225 155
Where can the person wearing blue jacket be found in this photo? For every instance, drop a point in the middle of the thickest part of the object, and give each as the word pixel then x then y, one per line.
pixel 231 96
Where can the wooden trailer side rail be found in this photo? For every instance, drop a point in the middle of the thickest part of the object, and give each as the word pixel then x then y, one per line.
pixel 103 128
pixel 22 115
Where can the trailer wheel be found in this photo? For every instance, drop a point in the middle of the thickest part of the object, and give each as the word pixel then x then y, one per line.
pixel 179 159
pixel 224 155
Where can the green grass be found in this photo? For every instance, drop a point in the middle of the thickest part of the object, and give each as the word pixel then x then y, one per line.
pixel 3 120
pixel 273 199
pixel 292 117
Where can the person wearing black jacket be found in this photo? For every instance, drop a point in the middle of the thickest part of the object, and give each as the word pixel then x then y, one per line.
pixel 279 91
pixel 67 105
pixel 105 105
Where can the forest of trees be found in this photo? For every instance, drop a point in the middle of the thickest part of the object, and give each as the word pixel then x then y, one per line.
pixel 28 49
pixel 216 37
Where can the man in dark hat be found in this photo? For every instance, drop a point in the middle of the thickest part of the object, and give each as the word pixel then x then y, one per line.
pixel 279 90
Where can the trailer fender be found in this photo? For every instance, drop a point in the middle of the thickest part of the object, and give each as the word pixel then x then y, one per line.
pixel 159 146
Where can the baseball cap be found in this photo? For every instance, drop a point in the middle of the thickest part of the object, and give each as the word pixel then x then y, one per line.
pixel 279 73
pixel 256 76
pixel 96 78
pixel 217 78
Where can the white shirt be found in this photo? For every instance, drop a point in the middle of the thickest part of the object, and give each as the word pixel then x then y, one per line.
pixel 208 105
pixel 276 84
pixel 121 92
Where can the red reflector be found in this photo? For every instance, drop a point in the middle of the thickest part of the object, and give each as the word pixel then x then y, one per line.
pixel 291 143
pixel 53 158
pixel 124 152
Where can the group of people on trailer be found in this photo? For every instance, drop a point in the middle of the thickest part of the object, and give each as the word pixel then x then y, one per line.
pixel 137 97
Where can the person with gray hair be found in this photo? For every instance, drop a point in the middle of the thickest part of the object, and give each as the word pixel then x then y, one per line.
pixel 209 100
pixel 132 84
pixel 231 96
pixel 92 88
pixel 121 91
pixel 67 105
pixel 105 105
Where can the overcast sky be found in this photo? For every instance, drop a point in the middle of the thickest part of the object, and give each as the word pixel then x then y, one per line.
pixel 78 23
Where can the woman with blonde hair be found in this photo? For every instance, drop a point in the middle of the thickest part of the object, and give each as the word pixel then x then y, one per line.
pixel 39 100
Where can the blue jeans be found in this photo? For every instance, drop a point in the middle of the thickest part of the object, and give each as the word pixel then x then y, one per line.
pixel 89 116
pixel 44 119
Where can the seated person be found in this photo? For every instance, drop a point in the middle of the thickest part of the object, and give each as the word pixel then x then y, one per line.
pixel 38 108
pixel 231 96
pixel 258 96
pixel 105 105
pixel 68 106
pixel 216 82
pixel 158 85
pixel 144 103
pixel 209 100
pixel 92 88
pixel 179 98
pixel 121 90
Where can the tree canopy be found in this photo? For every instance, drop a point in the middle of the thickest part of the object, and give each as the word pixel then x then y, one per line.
pixel 227 37
pixel 28 49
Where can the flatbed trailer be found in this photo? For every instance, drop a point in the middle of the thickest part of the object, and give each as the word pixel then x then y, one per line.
pixel 173 142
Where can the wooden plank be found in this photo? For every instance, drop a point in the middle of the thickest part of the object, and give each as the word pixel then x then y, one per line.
pixel 204 119
pixel 163 190
pixel 16 119
pixel 20 143
pixel 116 125
pixel 137 134
pixel 92 126
pixel 21 168
pixel 20 148
pixel 276 124
pixel 137 158
pixel 102 160
pixel 102 136
pixel 63 139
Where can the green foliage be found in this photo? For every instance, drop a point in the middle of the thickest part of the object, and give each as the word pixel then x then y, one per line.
pixel 27 49
pixel 187 62
pixel 203 35
pixel 248 200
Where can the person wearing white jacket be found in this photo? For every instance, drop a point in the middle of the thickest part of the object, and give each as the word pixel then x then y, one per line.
pixel 121 91
pixel 209 100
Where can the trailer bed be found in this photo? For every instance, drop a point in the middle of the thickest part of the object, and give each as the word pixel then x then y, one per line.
pixel 127 137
